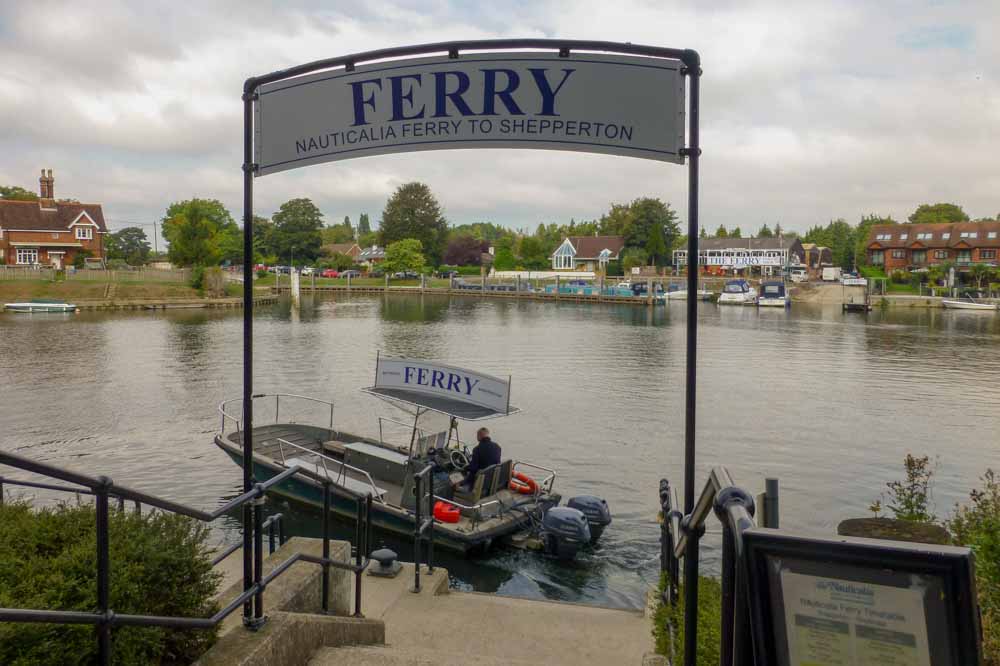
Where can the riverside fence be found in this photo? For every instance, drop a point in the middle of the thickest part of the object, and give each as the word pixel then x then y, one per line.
pixel 178 276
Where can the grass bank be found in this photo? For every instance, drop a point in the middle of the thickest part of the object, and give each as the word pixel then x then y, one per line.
pixel 93 290
pixel 668 623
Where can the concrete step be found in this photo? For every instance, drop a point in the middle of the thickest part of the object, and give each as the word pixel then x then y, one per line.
pixel 388 655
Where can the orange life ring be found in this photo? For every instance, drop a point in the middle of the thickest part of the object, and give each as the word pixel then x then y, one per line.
pixel 522 483
pixel 446 513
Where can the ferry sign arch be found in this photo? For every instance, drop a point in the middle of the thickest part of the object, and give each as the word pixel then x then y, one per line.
pixel 377 102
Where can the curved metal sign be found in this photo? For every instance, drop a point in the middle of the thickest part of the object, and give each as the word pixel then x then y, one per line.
pixel 597 103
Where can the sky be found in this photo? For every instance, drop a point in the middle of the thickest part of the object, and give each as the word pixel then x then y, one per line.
pixel 810 110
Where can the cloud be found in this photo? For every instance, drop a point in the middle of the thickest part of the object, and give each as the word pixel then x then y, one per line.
pixel 810 111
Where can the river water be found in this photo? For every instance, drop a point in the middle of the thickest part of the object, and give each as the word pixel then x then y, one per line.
pixel 827 402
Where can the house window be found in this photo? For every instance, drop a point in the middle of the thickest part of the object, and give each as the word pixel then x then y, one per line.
pixel 940 254
pixel 883 237
pixel 964 256
pixel 878 257
pixel 84 233
pixel 27 255
pixel 925 236
pixel 969 234
pixel 987 254
pixel 991 234
pixel 903 236
pixel 919 257
pixel 899 254
pixel 946 235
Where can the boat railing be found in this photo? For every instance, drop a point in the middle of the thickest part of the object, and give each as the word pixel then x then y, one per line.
pixel 255 582
pixel 547 482
pixel 409 426
pixel 238 418
pixel 323 460
pixel 477 507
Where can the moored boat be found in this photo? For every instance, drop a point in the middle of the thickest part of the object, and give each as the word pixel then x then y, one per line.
pixel 968 303
pixel 40 305
pixel 738 292
pixel 773 294
pixel 512 498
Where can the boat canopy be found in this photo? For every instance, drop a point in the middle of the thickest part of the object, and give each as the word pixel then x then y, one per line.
pixel 455 392
pixel 772 289
pixel 736 287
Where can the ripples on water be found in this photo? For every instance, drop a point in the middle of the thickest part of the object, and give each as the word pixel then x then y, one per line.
pixel 828 403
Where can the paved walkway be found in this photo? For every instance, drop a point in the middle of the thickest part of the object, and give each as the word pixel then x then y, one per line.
pixel 444 627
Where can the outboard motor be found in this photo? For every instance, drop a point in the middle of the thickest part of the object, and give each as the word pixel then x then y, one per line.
pixel 596 510
pixel 564 532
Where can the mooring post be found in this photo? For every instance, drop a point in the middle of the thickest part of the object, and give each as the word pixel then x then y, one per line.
pixel 326 544
pixel 348 282
pixel 103 572
pixel 771 503
pixel 649 292
pixel 387 282
pixel 557 286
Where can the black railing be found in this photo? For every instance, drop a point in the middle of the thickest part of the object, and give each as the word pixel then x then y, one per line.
pixel 423 526
pixel 252 597
pixel 679 539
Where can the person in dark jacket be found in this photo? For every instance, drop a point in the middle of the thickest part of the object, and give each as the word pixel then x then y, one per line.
pixel 486 453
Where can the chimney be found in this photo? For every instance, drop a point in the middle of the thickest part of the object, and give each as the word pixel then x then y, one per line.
pixel 46 186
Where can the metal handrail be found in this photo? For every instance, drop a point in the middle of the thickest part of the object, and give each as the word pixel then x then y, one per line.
pixel 547 482
pixel 343 466
pixel 423 525
pixel 477 507
pixel 277 397
pixel 253 593
pixel 409 426
pixel 679 539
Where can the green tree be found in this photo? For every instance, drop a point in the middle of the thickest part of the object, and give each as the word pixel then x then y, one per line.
pixel 364 226
pixel 337 234
pixel 263 236
pixel 413 212
pixel 194 230
pixel 404 255
pixel 230 243
pixel 368 239
pixel 654 228
pixel 617 221
pixel 765 232
pixel 778 231
pixel 337 261
pixel 297 231
pixel 129 244
pixel 703 233
pixel 633 257
pixel 15 193
pixel 939 212
pixel 981 273
pixel 721 232
pixel 533 254
pixel 504 255
pixel 736 233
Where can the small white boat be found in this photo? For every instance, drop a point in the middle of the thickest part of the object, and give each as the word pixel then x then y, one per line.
pixel 738 292
pixel 967 304
pixel 40 305
pixel 681 295
pixel 772 294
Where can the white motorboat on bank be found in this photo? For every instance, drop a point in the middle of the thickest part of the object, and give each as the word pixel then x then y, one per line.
pixel 738 292
pixel 40 305
pixel 968 303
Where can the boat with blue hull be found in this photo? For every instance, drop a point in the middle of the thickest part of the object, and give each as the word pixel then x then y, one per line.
pixel 509 502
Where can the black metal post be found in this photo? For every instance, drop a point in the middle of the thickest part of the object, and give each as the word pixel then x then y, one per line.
pixel 103 572
pixel 258 560
pixel 359 547
pixel 368 525
pixel 728 590
pixel 692 67
pixel 326 544
pixel 771 511
pixel 281 532
pixel 270 538
pixel 418 488
pixel 121 503
pixel 430 529
pixel 1 491
pixel 247 427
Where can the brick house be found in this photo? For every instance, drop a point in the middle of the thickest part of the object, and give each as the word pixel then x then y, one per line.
pixel 350 249
pixel 586 253
pixel 900 247
pixel 49 232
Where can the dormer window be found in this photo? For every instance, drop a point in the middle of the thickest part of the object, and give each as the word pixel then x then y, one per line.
pixel 946 235
pixel 84 233
pixel 903 236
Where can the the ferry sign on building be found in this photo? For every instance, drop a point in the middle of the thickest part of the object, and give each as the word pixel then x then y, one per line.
pixel 601 103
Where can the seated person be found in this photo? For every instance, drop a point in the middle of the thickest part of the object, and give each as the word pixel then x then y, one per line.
pixel 486 453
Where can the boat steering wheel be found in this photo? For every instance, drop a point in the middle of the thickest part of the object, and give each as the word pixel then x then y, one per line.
pixel 459 459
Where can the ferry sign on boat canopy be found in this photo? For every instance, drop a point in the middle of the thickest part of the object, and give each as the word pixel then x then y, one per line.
pixel 584 102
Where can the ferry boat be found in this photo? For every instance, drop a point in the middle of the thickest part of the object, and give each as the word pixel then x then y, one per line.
pixel 738 292
pixel 772 294
pixel 512 502
pixel 40 305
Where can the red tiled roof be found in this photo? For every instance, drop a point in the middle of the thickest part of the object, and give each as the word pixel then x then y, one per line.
pixel 589 247
pixel 931 236
pixel 29 215
pixel 341 248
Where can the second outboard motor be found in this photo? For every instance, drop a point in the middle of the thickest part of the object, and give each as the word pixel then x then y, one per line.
pixel 564 532
pixel 596 510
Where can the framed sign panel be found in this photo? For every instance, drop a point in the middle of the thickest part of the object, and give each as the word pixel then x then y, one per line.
pixel 860 602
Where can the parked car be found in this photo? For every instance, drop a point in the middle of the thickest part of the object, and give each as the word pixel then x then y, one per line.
pixel 798 275
pixel 449 274
pixel 308 270
pixel 350 274
pixel 377 273
pixel 405 275
pixel 329 273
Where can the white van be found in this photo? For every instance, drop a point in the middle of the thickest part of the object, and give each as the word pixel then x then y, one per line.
pixel 798 275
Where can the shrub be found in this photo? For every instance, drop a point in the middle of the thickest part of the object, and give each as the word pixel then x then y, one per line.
pixel 977 526
pixel 262 273
pixel 900 277
pixel 910 499
pixel 198 278
pixel 667 617
pixel 160 565
pixel 79 259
